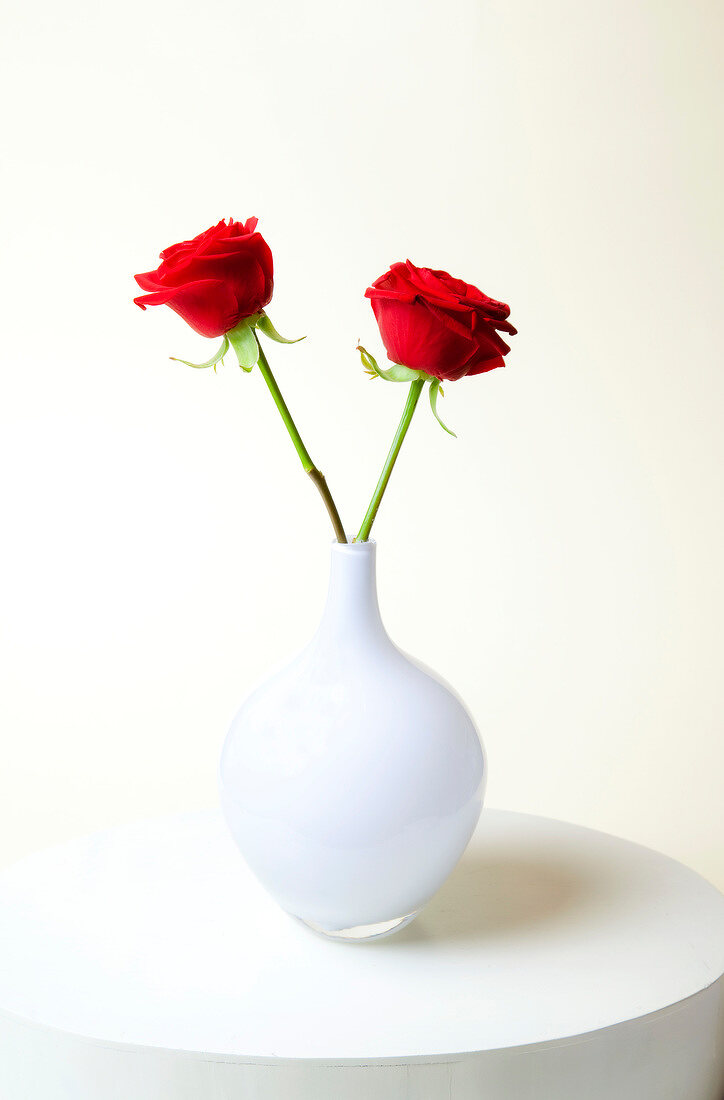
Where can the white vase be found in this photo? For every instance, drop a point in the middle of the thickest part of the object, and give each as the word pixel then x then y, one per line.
pixel 353 779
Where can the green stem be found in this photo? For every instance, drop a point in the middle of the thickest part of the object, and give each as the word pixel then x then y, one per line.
pixel 413 397
pixel 285 414
pixel 316 475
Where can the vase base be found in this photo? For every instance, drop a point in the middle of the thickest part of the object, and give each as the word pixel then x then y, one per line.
pixel 362 932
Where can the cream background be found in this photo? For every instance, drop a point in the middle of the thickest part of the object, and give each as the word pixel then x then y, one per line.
pixel 560 562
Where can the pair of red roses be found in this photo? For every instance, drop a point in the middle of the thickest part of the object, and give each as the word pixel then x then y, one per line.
pixel 433 327
pixel 428 320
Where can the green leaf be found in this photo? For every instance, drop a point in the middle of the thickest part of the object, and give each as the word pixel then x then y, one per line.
pixel 434 388
pixel 264 325
pixel 243 341
pixel 217 357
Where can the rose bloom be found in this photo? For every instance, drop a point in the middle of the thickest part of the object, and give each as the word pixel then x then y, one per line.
pixel 431 322
pixel 214 280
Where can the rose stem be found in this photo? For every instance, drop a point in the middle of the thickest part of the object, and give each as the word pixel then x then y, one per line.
pixel 412 398
pixel 316 475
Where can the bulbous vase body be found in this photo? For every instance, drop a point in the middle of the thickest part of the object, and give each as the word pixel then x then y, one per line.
pixel 353 779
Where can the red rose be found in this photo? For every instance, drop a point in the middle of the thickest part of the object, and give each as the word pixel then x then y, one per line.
pixel 214 280
pixel 431 322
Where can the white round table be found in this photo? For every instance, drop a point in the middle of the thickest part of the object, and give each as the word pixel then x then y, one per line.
pixel 146 963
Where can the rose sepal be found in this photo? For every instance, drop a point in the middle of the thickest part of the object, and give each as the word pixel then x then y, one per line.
pixel 243 341
pixel 217 357
pixel 263 323
pixel 396 373
pixel 436 388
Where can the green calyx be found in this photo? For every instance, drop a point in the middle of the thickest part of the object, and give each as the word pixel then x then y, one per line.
pixel 218 357
pixel 244 343
pixel 242 338
pixel 264 325
pixel 435 389
pixel 398 373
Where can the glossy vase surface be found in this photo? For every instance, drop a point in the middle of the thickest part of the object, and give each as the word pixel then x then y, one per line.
pixel 353 779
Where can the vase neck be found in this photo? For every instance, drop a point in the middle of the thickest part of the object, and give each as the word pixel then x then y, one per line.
pixel 352 608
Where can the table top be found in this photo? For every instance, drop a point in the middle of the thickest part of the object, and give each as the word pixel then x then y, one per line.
pixel 157 935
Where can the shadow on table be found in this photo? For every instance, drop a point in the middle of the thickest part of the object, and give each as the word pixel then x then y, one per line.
pixel 502 896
